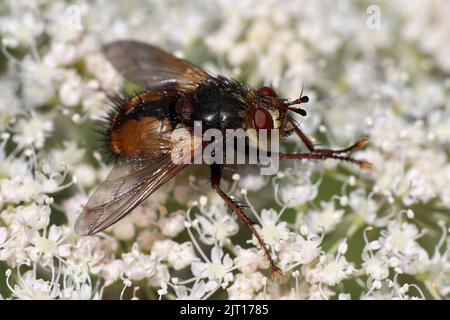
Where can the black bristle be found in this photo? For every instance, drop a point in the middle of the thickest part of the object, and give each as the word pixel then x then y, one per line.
pixel 110 119
pixel 106 122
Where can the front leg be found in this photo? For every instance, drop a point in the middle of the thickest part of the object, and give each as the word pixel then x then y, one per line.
pixel 322 156
pixel 216 171
pixel 307 141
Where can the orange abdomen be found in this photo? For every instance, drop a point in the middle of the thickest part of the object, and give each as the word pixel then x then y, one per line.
pixel 143 125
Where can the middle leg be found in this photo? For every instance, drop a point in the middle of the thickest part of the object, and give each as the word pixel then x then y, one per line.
pixel 233 205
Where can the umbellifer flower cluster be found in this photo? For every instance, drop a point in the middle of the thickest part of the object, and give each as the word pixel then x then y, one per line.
pixel 338 232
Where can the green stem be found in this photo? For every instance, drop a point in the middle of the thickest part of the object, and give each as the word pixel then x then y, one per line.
pixel 356 224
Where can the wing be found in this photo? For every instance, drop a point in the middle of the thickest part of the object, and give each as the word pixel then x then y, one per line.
pixel 129 183
pixel 150 66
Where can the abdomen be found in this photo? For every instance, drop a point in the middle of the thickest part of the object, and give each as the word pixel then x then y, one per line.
pixel 143 124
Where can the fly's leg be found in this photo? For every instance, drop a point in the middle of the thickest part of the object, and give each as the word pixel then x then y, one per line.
pixel 233 205
pixel 361 163
pixel 307 141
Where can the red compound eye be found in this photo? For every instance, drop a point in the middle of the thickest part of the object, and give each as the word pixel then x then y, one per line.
pixel 266 91
pixel 262 119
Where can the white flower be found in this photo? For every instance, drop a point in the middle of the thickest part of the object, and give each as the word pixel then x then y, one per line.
pixel 219 269
pixel 147 238
pixel 71 90
pixel 3 235
pixel 85 174
pixel 162 248
pixel 300 250
pixel 344 296
pixel 67 156
pixel 272 231
pixel 34 216
pixel 319 292
pixel 144 216
pixel 215 224
pixel 171 226
pixel 252 181
pixel 138 266
pixel 30 287
pixel 72 207
pixel 376 268
pixel 332 271
pixel 20 30
pixel 9 104
pixel 80 292
pixel 298 192
pixel 400 238
pixel 197 292
pixel 124 229
pixel 112 271
pixel 326 219
pixel 181 255
pixel 88 254
pixel 32 131
pixel 248 260
pixel 245 286
pixel 162 275
pixel 365 207
pixel 45 247
pixel 4 252
pixel 63 53
pixel 38 80
pixel 103 71
pixel 308 249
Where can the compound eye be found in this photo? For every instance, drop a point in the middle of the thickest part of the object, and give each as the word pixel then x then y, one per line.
pixel 266 91
pixel 262 119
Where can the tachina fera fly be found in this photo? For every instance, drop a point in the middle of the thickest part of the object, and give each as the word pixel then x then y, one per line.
pixel 177 93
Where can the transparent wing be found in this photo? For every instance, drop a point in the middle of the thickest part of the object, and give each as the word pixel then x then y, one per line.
pixel 150 66
pixel 129 183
